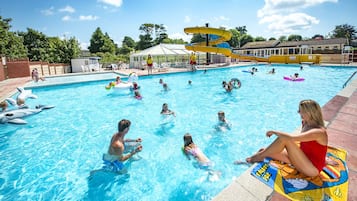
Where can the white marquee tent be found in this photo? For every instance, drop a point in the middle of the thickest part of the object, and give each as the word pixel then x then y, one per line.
pixel 164 55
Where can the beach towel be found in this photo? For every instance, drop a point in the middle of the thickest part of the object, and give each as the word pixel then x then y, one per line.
pixel 331 184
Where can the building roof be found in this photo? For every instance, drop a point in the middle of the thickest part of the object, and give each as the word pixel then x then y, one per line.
pixel 277 43
pixel 163 49
pixel 313 42
pixel 261 44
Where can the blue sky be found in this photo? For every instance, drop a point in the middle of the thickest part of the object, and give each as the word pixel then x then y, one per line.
pixel 120 18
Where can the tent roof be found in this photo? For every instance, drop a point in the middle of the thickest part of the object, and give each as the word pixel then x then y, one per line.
pixel 163 49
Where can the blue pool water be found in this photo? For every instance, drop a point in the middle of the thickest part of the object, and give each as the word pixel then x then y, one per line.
pixel 51 157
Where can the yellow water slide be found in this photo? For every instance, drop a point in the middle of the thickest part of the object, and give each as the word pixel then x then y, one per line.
pixel 223 37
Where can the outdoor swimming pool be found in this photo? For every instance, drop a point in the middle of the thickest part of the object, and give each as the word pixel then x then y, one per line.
pixel 51 157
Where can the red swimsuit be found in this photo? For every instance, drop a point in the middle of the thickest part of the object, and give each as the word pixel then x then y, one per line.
pixel 315 152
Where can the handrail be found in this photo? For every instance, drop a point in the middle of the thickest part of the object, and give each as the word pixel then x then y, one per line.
pixel 353 74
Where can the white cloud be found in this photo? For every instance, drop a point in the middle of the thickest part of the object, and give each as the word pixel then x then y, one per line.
pixel 187 19
pixel 88 17
pixel 66 18
pixel 116 3
pixel 68 9
pixel 185 37
pixel 285 16
pixel 286 6
pixel 288 24
pixel 49 11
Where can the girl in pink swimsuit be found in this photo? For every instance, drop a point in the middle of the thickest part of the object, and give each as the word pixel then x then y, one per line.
pixel 191 149
pixel 305 151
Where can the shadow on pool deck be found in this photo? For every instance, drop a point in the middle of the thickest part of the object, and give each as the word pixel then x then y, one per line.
pixel 340 113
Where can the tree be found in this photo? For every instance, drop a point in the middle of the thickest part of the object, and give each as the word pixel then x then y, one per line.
pixel 129 42
pixel 37 45
pixel 234 41
pixel 173 41
pixel 242 33
pixel 259 38
pixel 294 37
pixel 317 37
pixel 242 30
pixel 282 38
pixel 101 42
pixel 246 39
pixel 197 38
pixel 71 50
pixel 145 41
pixel 344 31
pixel 271 38
pixel 11 44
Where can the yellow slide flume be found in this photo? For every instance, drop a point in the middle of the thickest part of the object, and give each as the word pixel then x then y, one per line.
pixel 223 37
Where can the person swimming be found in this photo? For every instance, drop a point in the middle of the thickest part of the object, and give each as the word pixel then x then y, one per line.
pixel 191 149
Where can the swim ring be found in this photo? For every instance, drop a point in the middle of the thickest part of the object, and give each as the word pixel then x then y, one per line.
pixel 236 83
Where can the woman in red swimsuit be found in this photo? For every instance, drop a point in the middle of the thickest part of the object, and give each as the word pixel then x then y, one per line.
pixel 305 151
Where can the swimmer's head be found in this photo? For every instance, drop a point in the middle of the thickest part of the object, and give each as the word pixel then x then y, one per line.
pixel 187 139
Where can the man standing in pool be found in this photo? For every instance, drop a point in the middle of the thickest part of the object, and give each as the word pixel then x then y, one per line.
pixel 115 156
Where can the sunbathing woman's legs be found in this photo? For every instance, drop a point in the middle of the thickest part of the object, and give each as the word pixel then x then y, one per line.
pixel 289 152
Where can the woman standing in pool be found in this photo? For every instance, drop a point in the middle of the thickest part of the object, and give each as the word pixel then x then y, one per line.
pixel 306 151
pixel 166 111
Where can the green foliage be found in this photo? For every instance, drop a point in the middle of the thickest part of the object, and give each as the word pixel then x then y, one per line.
pixel 282 38
pixel 197 38
pixel 294 37
pixel 345 31
pixel 259 38
pixel 246 39
pixel 100 42
pixel 11 44
pixel 111 58
pixel 173 41
pixel 145 41
pixel 129 42
pixel 234 41
pixel 37 45
pixel 317 36
pixel 125 50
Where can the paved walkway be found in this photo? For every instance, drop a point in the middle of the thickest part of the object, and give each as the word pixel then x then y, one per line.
pixel 340 113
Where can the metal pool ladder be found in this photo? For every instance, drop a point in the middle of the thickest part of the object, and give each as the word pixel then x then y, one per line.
pixel 353 74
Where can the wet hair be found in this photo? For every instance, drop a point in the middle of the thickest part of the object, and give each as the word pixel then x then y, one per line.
pixel 165 104
pixel 187 139
pixel 221 113
pixel 123 124
pixel 312 110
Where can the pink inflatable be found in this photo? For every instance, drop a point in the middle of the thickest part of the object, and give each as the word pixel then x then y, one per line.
pixel 294 80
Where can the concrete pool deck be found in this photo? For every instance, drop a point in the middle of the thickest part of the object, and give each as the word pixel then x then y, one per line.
pixel 340 113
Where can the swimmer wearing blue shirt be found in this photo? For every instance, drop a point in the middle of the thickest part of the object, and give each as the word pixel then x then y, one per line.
pixel 115 156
